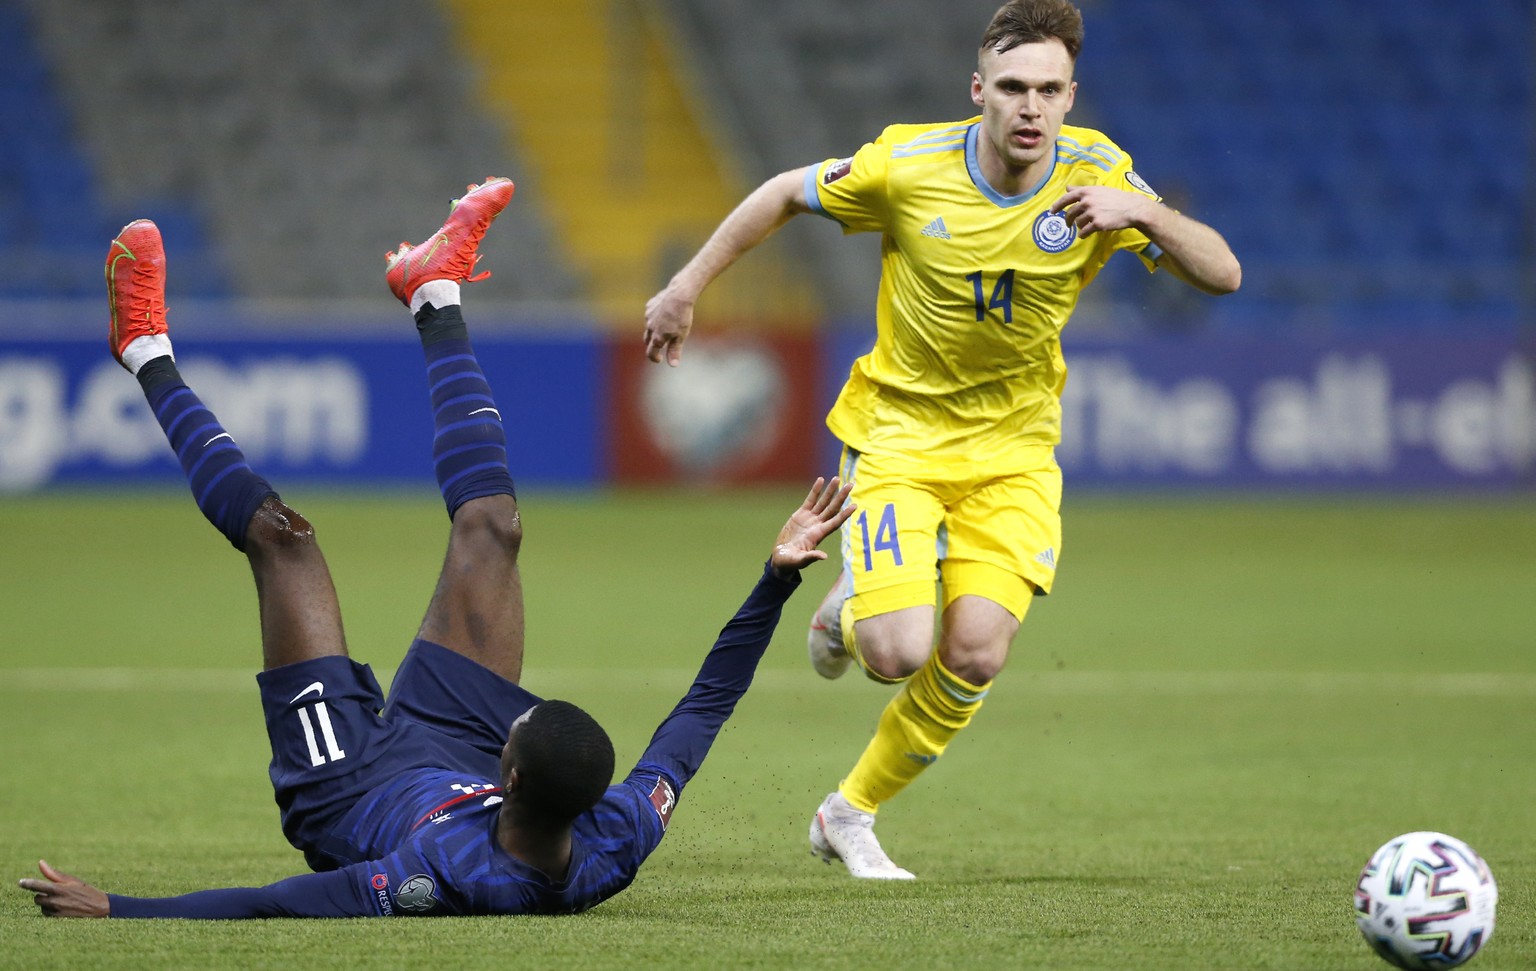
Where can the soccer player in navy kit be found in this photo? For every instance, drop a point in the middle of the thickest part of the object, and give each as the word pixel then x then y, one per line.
pixel 460 793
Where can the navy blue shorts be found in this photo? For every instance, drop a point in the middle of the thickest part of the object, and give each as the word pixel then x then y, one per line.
pixel 335 737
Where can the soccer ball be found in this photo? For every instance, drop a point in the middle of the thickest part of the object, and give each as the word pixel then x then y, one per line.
pixel 1426 900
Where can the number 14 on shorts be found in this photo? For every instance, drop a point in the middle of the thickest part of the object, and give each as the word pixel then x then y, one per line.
pixel 885 536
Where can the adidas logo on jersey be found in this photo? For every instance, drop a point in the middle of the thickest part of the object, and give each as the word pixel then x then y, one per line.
pixel 1047 557
pixel 936 229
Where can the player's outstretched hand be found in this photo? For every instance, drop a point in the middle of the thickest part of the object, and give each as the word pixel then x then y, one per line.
pixel 61 895
pixel 823 511
pixel 668 319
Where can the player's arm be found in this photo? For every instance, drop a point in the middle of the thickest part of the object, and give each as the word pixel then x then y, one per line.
pixel 669 314
pixel 332 894
pixel 684 738
pixel 1191 250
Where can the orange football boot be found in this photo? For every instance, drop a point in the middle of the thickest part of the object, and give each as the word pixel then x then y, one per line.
pixel 450 253
pixel 135 285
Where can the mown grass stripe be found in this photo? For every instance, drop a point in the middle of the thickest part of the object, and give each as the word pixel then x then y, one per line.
pixel 1460 684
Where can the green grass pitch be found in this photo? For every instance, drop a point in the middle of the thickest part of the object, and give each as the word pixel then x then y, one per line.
pixel 1203 733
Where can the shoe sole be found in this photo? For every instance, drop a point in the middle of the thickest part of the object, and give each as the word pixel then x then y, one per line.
pixel 823 661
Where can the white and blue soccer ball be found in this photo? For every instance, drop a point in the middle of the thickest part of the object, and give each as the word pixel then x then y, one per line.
pixel 1426 900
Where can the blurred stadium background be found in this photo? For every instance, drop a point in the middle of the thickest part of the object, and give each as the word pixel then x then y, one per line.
pixel 1370 161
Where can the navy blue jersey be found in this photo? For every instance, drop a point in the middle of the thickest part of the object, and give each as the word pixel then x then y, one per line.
pixel 423 843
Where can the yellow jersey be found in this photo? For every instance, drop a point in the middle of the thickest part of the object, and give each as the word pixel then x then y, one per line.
pixel 975 288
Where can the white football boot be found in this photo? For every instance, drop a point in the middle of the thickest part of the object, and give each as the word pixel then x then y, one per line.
pixel 824 641
pixel 841 832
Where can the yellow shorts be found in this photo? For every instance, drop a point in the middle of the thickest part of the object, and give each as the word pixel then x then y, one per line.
pixel 966 525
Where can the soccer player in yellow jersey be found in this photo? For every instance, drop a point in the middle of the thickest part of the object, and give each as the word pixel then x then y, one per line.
pixel 991 227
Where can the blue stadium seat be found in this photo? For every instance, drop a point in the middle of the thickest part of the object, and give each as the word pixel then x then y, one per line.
pixel 1305 136
pixel 54 226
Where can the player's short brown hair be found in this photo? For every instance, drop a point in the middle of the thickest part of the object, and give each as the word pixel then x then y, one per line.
pixel 1029 21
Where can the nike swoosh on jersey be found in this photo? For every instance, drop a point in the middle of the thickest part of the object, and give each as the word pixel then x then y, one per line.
pixel 317 688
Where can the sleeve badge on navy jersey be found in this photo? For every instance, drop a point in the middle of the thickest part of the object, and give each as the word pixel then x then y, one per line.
pixel 380 884
pixel 417 895
pixel 1139 184
pixel 663 799
pixel 836 170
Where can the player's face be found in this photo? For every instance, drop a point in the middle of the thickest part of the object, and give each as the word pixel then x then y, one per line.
pixel 1024 93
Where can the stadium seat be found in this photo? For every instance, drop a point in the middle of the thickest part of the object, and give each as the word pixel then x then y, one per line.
pixel 303 174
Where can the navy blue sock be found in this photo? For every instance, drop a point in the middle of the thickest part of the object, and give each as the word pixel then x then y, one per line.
pixel 226 489
pixel 469 448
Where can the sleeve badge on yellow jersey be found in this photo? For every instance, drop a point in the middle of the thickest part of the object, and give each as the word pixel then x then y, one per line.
pixel 836 170
pixel 1053 233
pixel 1139 184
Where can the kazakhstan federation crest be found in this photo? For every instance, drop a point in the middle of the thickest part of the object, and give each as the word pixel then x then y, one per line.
pixel 1053 233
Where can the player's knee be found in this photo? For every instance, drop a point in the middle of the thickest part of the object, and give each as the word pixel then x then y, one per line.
pixel 279 529
pixel 976 661
pixel 894 658
pixel 887 670
pixel 493 521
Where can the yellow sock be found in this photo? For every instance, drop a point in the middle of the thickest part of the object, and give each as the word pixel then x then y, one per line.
pixel 915 728
pixel 851 645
